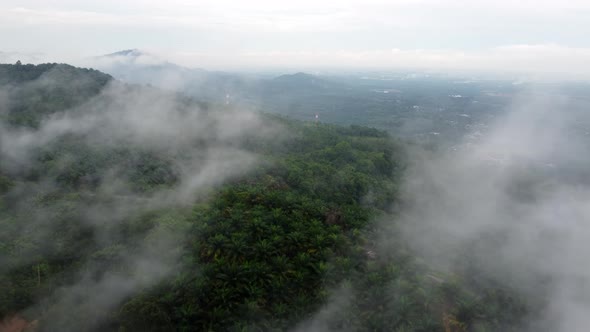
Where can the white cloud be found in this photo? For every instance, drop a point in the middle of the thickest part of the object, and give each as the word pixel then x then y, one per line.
pixel 544 36
pixel 301 15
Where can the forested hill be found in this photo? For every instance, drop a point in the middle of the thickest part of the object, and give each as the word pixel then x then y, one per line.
pixel 123 208
pixel 63 73
pixel 34 91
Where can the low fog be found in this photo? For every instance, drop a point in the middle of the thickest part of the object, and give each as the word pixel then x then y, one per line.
pixel 509 206
pixel 203 145
pixel 514 206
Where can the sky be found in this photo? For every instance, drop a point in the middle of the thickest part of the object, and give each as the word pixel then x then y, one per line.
pixel 540 36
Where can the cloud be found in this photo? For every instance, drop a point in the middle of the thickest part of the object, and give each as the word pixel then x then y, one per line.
pixel 515 204
pixel 301 15
pixel 201 147
pixel 547 61
pixel 440 34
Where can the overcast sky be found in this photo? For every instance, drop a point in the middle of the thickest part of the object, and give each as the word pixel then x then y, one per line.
pixel 540 36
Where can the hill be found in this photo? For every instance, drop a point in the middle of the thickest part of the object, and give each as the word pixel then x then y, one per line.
pixel 34 91
pixel 138 209
pixel 299 80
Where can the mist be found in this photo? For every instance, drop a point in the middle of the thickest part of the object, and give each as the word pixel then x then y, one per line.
pixel 507 208
pixel 512 205
pixel 200 147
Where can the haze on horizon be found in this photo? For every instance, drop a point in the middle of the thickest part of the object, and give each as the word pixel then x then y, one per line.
pixel 544 38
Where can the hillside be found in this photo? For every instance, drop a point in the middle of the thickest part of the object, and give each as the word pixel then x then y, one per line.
pixel 127 208
pixel 32 92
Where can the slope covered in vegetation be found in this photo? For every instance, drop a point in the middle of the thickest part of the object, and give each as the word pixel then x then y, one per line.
pixel 37 90
pixel 99 233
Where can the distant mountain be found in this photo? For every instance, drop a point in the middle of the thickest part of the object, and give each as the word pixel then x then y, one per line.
pixel 140 60
pixel 301 82
pixel 132 52
pixel 299 77
pixel 135 66
pixel 140 67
